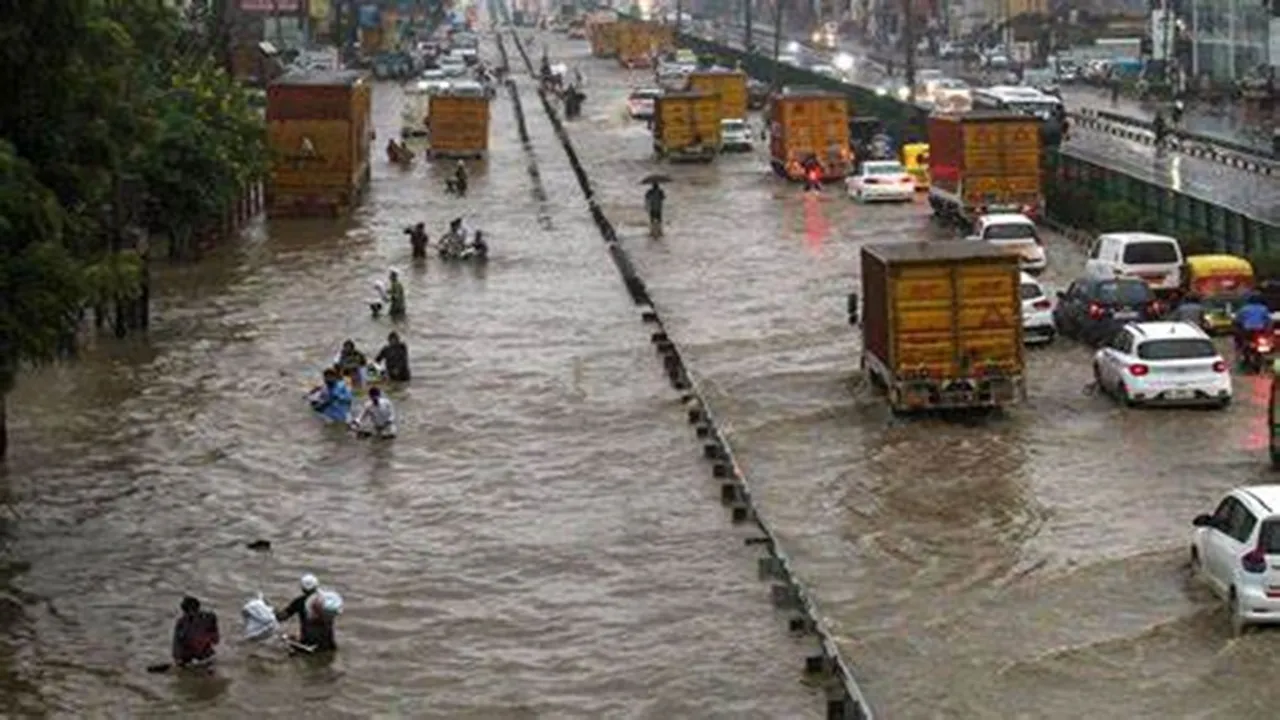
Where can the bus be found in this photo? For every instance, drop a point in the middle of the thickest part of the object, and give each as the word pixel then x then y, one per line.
pixel 1017 99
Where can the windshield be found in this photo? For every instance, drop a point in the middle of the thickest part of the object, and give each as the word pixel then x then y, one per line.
pixel 1151 252
pixel 1269 537
pixel 1177 349
pixel 644 94
pixel 1039 109
pixel 1123 292
pixel 952 84
pixel 1011 232
pixel 883 169
pixel 1029 291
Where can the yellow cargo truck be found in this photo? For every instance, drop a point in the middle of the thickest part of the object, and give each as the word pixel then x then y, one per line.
pixel 602 33
pixel 984 162
pixel 942 325
pixel 458 123
pixel 809 123
pixel 686 126
pixel 638 43
pixel 729 85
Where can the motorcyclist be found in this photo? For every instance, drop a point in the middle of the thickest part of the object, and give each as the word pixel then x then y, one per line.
pixel 454 241
pixel 378 417
pixel 1189 310
pixel 812 171
pixel 315 629
pixel 195 634
pixel 654 197
pixel 1254 317
pixel 1176 112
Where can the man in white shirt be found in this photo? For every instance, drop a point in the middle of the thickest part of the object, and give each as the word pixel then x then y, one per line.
pixel 378 418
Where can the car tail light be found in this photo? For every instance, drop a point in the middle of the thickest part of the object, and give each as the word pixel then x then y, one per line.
pixel 1262 344
pixel 1138 370
pixel 1219 367
pixel 907 179
pixel 1042 305
pixel 1095 311
pixel 1254 561
pixel 815 174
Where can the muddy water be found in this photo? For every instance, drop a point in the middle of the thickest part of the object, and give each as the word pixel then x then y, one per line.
pixel 541 541
pixel 1033 566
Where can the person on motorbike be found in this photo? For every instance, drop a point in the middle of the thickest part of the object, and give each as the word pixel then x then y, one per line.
pixel 1251 319
pixel 654 197
pixel 812 173
pixel 454 241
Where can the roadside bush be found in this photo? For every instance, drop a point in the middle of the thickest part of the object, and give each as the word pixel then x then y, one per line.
pixel 1117 216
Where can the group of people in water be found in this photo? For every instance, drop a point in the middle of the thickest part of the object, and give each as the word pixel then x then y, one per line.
pixel 333 398
pixel 196 635
pixel 454 244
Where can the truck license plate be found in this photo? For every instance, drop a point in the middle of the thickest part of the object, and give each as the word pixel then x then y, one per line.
pixel 1126 315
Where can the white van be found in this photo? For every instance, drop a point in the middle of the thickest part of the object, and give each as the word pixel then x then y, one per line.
pixel 1156 259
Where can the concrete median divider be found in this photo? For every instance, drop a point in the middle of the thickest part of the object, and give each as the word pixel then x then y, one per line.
pixel 522 127
pixel 845 700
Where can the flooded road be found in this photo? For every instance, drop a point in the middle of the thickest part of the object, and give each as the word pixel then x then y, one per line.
pixel 541 541
pixel 1031 567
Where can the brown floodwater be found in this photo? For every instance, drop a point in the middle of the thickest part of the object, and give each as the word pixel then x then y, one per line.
pixel 1030 566
pixel 542 540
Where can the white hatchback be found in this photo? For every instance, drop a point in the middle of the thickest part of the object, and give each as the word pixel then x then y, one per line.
pixel 1014 231
pixel 881 180
pixel 1166 363
pixel 641 102
pixel 1236 552
pixel 1037 312
pixel 735 135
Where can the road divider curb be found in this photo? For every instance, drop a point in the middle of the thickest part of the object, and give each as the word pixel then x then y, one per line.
pixel 522 127
pixel 845 700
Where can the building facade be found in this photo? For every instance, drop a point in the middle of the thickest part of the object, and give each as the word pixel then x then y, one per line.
pixel 1231 39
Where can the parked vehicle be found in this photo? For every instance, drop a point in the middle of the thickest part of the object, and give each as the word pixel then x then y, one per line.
pixel 1017 233
pixel 1154 259
pixel 931 347
pixel 1163 363
pixel 1037 312
pixel 1094 310
pixel 1236 552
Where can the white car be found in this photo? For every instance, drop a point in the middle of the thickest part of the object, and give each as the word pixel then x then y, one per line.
pixel 1166 363
pixel 881 180
pixel 1236 552
pixel 827 71
pixel 1037 312
pixel 641 102
pixel 735 135
pixel 1015 231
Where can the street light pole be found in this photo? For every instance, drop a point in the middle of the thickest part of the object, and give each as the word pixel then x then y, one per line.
pixel 777 40
pixel 746 37
pixel 909 38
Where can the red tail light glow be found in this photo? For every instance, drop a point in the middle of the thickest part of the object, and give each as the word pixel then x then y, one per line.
pixel 1095 311
pixel 1138 370
pixel 1254 561
pixel 907 180
pixel 1155 307
pixel 1219 367
pixel 1042 305
pixel 1262 344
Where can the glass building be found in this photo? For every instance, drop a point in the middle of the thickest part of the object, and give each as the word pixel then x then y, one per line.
pixel 1230 38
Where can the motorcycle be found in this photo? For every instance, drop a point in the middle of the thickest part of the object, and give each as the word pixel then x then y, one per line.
pixel 813 179
pixel 1256 354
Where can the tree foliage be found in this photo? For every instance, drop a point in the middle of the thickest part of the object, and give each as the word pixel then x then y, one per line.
pixel 117 114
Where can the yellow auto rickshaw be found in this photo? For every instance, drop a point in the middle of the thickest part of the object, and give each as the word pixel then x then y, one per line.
pixel 915 158
pixel 1223 283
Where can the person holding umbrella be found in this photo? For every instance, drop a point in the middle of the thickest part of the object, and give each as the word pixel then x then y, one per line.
pixel 654 197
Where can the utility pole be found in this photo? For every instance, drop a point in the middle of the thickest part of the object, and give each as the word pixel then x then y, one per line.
pixel 746 38
pixel 909 39
pixel 679 16
pixel 777 40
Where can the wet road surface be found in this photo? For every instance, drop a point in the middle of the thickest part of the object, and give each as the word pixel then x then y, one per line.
pixel 541 541
pixel 1251 194
pixel 1028 567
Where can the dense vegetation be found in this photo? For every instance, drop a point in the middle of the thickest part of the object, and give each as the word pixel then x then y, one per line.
pixel 118 123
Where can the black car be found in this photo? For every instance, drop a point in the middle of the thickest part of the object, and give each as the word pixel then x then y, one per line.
pixel 1093 310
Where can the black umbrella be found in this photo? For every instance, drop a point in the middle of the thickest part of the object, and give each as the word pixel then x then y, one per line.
pixel 654 179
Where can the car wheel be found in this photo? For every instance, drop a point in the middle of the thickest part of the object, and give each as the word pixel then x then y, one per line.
pixel 1224 403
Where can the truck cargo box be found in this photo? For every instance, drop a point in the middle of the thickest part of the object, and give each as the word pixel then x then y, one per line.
pixel 729 85
pixel 458 124
pixel 319 128
pixel 985 161
pixel 942 324
pixel 807 122
pixel 686 126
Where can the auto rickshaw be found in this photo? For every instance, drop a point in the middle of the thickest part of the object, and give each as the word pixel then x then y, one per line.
pixel 915 158
pixel 1222 282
